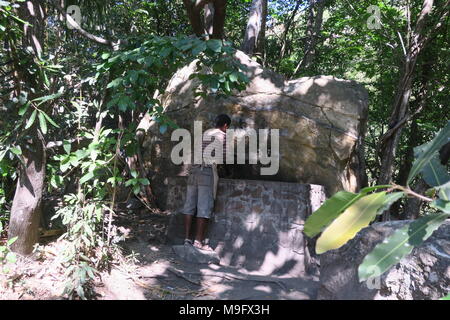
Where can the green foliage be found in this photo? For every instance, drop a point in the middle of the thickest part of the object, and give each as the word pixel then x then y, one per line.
pixel 357 216
pixel 89 235
pixel 332 208
pixel 76 82
pixel 136 182
pixel 7 257
pixel 398 245
pixel 138 71
pixel 347 213
pixel 427 160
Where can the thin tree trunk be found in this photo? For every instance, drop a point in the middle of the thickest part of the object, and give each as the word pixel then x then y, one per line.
pixel 201 24
pixel 413 205
pixel 391 138
pixel 260 43
pixel 220 7
pixel 313 27
pixel 193 9
pixel 209 18
pixel 389 142
pixel 286 29
pixel 26 207
pixel 255 26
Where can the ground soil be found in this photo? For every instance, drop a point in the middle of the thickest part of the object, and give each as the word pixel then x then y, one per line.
pixel 150 271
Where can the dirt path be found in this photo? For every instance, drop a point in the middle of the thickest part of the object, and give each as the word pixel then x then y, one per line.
pixel 152 271
pixel 160 274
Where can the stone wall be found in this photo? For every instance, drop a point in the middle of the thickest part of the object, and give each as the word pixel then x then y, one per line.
pixel 256 225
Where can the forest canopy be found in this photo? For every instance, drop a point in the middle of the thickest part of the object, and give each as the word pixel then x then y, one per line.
pixel 77 78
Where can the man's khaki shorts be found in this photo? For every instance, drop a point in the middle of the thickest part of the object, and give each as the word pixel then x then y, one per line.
pixel 199 194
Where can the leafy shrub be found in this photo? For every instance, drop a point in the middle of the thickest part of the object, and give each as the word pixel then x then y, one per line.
pixel 346 213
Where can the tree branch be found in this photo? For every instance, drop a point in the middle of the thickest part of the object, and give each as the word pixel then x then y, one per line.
pixel 77 27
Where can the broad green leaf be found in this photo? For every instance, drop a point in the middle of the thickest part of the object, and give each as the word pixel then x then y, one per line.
pixel 350 222
pixel 41 100
pixel 31 120
pixel 214 44
pixel 11 241
pixel 329 210
pixel 163 128
pixel 123 103
pixel 434 173
pixel 447 297
pixel 233 76
pixel 24 108
pixel 67 146
pixel 50 120
pixel 390 199
pixel 398 245
pixel 429 151
pixel 16 151
pixel 332 208
pixel 441 205
pixel 165 52
pixel 88 176
pixel 444 191
pixel 130 182
pixel 42 122
pixel 200 47
pixel 115 83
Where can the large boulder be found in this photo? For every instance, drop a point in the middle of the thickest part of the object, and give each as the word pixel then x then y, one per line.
pixel 321 121
pixel 424 274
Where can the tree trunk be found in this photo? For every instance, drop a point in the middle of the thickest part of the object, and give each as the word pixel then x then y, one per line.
pixel 220 7
pixel 26 207
pixel 255 26
pixel 390 140
pixel 260 43
pixel 193 9
pixel 413 205
pixel 286 29
pixel 313 27
pixel 400 107
pixel 201 24
pixel 209 18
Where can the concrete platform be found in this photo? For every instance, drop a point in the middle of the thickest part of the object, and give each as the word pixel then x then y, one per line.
pixel 257 225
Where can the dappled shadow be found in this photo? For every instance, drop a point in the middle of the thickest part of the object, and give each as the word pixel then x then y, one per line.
pixel 320 121
pixel 255 267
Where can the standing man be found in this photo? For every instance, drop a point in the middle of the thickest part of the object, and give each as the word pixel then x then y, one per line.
pixel 202 182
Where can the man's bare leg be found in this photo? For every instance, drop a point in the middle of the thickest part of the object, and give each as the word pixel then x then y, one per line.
pixel 187 226
pixel 201 229
pixel 202 224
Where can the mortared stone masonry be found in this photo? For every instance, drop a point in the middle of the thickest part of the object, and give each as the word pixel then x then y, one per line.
pixel 256 225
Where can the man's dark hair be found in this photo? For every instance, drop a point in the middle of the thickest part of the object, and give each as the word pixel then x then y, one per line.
pixel 221 120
